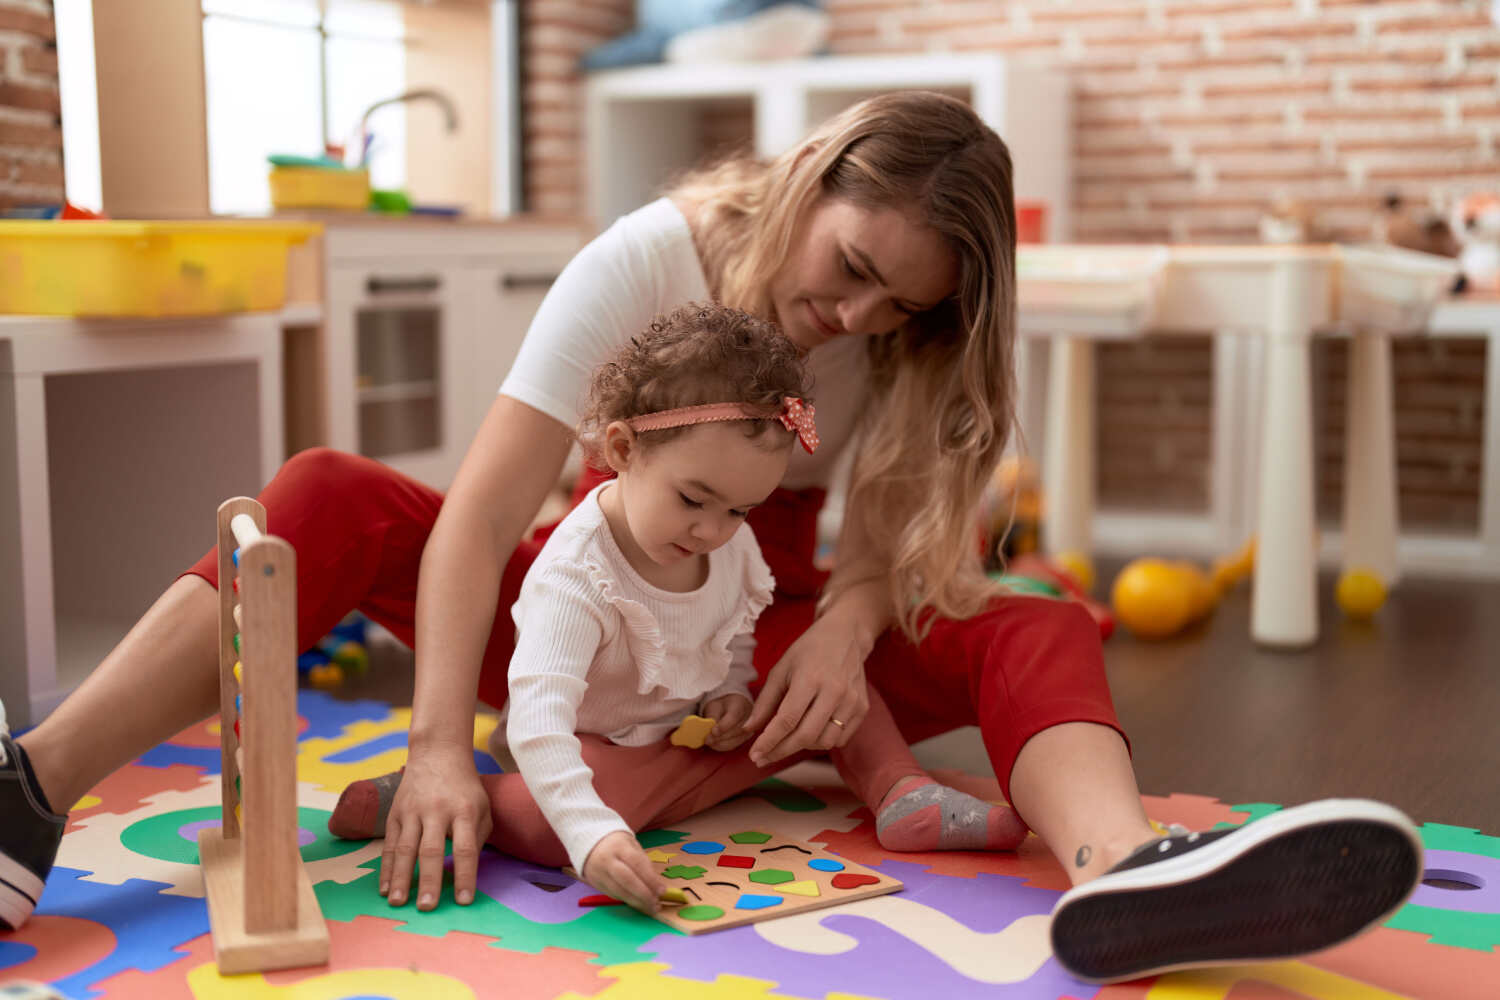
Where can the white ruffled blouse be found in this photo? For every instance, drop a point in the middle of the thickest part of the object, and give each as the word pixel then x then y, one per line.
pixel 600 650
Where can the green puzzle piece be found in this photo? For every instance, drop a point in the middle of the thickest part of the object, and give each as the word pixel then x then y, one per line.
pixel 684 871
pixel 612 934
pixel 771 876
pixel 750 837
pixel 657 838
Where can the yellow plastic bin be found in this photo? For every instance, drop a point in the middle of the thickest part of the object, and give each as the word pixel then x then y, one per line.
pixel 100 268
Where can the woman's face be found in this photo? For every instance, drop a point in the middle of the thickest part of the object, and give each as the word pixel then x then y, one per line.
pixel 857 270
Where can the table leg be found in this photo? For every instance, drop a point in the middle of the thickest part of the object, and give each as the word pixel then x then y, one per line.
pixel 35 519
pixel 1284 600
pixel 1068 462
pixel 1370 518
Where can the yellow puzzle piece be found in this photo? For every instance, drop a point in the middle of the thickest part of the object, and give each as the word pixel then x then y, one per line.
pixel 693 731
pixel 807 887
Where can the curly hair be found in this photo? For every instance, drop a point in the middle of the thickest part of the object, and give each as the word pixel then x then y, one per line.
pixel 698 353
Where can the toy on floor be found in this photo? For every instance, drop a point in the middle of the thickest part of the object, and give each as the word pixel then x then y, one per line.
pixel 1033 574
pixel 1360 593
pixel 342 652
pixel 261 905
pixel 1010 513
pixel 731 875
pixel 1154 598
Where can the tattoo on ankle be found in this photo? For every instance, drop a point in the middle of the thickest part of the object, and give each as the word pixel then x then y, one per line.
pixel 1085 853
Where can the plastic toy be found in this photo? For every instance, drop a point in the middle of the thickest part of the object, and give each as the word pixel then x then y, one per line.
pixel 1154 598
pixel 337 655
pixel 1032 574
pixel 699 31
pixel 1360 593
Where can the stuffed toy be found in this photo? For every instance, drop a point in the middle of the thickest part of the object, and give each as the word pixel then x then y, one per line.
pixel 1415 228
pixel 699 31
pixel 1476 220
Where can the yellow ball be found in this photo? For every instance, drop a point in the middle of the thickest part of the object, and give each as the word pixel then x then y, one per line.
pixel 1360 593
pixel 1078 566
pixel 1152 598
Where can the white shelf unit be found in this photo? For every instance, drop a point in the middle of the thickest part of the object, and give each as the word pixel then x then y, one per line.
pixel 116 435
pixel 643 124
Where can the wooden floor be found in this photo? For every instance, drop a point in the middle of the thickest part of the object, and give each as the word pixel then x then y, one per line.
pixel 1406 710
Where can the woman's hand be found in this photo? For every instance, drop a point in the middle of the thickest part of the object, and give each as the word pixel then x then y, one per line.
pixel 440 796
pixel 821 678
pixel 619 867
pixel 729 713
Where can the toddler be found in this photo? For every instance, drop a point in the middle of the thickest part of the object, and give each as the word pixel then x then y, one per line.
pixel 640 610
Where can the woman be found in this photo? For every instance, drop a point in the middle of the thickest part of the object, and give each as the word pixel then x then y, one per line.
pixel 884 246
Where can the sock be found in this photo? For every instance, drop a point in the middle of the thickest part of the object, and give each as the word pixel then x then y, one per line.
pixel 363 807
pixel 918 814
pixel 24 763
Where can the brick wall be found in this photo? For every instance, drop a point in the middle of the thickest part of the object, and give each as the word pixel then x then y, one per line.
pixel 30 128
pixel 1191 116
pixel 554 33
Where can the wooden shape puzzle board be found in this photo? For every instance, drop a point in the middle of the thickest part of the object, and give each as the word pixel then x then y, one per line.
pixel 748 874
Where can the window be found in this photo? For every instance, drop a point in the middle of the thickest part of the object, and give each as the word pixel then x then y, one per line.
pixel 292 76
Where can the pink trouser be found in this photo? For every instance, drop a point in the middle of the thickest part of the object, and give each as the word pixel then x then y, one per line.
pixel 659 784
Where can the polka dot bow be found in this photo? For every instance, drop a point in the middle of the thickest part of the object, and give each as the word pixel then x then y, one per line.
pixel 797 416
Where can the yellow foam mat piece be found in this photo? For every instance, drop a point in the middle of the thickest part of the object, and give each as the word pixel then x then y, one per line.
pixel 649 981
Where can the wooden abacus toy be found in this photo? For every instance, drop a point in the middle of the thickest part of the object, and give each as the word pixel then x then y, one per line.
pixel 261 905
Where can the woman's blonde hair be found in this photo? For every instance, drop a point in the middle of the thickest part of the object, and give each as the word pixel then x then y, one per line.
pixel 698 353
pixel 943 382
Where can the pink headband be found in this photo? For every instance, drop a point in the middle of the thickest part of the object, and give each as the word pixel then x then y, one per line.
pixel 794 415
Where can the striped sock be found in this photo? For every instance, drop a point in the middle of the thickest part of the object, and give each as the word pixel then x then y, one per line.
pixel 363 807
pixel 918 814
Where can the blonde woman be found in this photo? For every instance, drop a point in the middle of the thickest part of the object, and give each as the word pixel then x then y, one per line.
pixel 883 246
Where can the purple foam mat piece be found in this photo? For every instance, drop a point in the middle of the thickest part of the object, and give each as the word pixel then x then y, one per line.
pixel 508 882
pixel 1474 869
pixel 884 963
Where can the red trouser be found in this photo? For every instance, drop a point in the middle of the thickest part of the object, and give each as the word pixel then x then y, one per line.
pixel 1022 665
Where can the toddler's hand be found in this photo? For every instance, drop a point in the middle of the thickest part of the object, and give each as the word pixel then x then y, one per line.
pixel 619 867
pixel 729 712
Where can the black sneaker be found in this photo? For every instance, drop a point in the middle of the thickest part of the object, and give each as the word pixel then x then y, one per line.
pixel 29 837
pixel 1296 881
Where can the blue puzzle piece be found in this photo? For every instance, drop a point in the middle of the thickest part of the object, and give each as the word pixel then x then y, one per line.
pixel 206 759
pixel 147 925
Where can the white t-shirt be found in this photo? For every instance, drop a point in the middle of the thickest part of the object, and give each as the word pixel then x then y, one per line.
pixel 600 650
pixel 644 265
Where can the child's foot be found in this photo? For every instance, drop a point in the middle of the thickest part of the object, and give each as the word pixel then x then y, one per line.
pixel 363 807
pixel 1296 881
pixel 918 814
pixel 29 835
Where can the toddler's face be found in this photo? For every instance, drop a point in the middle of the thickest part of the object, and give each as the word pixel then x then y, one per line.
pixel 690 495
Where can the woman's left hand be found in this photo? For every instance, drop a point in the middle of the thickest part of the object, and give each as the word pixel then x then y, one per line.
pixel 817 692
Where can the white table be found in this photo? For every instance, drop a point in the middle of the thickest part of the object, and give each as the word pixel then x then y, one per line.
pixel 1284 296
pixel 118 439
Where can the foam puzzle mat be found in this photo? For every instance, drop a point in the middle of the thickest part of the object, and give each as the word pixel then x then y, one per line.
pixel 123 914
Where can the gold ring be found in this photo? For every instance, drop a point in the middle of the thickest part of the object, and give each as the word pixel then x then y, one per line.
pixel 836 722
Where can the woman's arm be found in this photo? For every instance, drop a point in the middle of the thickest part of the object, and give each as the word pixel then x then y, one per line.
pixel 514 462
pixel 821 677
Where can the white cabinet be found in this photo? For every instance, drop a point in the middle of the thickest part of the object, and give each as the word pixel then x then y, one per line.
pixel 422 322
pixel 644 124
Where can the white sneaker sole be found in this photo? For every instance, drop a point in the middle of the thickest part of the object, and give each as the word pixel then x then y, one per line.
pixel 19 892
pixel 1296 881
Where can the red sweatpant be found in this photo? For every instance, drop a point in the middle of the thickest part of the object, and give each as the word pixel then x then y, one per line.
pixel 1022 665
